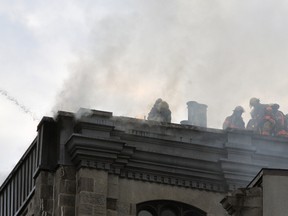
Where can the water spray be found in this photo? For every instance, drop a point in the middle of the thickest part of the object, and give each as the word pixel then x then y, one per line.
pixel 21 106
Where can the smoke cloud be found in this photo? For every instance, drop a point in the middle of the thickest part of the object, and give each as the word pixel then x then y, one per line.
pixel 220 53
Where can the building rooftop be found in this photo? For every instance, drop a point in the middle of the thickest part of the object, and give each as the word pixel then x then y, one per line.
pixel 164 153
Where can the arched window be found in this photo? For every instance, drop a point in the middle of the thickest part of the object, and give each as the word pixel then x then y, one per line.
pixel 167 208
pixel 145 213
pixel 168 212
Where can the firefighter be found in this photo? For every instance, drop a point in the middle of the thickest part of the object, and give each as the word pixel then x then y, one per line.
pixel 281 123
pixel 268 123
pixel 252 125
pixel 235 120
pixel 257 115
pixel 160 112
pixel 258 108
pixel 286 122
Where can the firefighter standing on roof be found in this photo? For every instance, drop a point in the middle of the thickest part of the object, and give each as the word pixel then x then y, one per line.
pixel 281 121
pixel 257 115
pixel 268 123
pixel 235 120
pixel 266 119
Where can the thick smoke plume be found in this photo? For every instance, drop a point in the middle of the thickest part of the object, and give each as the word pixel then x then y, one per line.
pixel 220 53
pixel 23 108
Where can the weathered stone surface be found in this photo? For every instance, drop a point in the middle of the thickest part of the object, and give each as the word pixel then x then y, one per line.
pixel 92 198
pixel 45 178
pixel 111 213
pixel 111 203
pixel 69 173
pixel 30 209
pixel 113 186
pixel 85 209
pixel 66 172
pixel 99 211
pixel 67 211
pixel 123 208
pixel 100 179
pixel 100 185
pixel 244 202
pixel 133 209
pixel 91 191
pixel 132 192
pixel 66 200
pixel 46 191
pixel 47 205
pixel 43 196
pixel 70 186
pixel 85 184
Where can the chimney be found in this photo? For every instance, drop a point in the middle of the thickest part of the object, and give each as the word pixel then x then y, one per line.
pixel 197 114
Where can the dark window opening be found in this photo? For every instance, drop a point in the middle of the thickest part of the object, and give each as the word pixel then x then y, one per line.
pixel 145 213
pixel 168 212
pixel 167 208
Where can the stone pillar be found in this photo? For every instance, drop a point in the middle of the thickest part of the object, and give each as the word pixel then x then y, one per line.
pixel 43 197
pixel 91 198
pixel 64 191
pixel 116 206
pixel 113 195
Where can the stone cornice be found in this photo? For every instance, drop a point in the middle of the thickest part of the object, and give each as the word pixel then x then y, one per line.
pixel 159 167
pixel 92 148
pixel 169 153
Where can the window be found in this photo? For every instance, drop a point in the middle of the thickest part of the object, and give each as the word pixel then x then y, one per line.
pixel 167 212
pixel 144 213
pixel 167 208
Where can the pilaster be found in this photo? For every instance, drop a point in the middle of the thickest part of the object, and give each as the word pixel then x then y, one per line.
pixel 91 198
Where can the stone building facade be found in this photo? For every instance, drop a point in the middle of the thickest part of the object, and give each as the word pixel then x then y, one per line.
pixel 93 163
pixel 266 195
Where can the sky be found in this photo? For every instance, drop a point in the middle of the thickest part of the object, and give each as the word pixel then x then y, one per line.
pixel 120 56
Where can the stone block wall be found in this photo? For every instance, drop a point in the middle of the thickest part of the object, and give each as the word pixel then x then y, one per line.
pixel 43 197
pixel 54 193
pixel 98 194
pixel 244 201
pixel 94 192
pixel 91 198
pixel 133 192
pixel 65 191
pixel 30 209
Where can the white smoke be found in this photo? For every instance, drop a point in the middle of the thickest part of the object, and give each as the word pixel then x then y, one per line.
pixel 220 53
pixel 23 108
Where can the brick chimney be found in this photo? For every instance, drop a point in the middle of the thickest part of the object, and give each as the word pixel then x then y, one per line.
pixel 197 114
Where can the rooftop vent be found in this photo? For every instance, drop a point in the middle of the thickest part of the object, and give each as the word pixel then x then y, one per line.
pixel 197 114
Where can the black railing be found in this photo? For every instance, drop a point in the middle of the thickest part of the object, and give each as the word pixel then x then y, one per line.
pixel 19 186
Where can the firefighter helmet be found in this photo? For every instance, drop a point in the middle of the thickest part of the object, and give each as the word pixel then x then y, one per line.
pixel 239 109
pixel 254 101
pixel 275 106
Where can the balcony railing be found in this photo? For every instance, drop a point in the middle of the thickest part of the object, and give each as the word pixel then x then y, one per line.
pixel 19 185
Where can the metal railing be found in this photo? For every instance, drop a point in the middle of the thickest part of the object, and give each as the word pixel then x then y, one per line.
pixel 19 186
